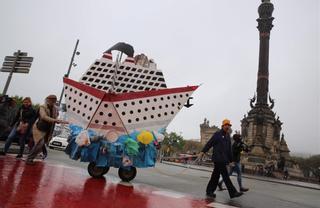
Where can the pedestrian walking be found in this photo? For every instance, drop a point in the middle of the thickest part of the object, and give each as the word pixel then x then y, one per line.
pixel 221 157
pixel 43 127
pixel 21 126
pixel 238 147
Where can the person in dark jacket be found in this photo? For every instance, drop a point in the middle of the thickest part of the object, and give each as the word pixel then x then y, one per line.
pixel 21 126
pixel 237 147
pixel 221 157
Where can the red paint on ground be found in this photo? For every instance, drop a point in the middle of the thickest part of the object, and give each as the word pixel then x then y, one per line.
pixel 49 185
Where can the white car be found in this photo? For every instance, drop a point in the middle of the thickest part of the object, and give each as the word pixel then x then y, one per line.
pixel 58 142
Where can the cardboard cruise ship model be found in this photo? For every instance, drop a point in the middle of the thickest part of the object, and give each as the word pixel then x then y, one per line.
pixel 128 105
pixel 115 98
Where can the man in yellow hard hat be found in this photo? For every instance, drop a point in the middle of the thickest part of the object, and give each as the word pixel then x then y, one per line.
pixel 221 157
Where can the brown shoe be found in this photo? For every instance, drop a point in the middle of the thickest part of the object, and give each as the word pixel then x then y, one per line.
pixel 244 189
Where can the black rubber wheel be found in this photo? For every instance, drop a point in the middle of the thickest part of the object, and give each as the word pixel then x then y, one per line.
pixel 96 172
pixel 127 174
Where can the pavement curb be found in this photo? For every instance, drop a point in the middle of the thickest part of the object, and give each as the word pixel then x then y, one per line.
pixel 246 176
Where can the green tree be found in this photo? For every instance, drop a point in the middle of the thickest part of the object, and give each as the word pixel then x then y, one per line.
pixel 172 144
pixel 307 165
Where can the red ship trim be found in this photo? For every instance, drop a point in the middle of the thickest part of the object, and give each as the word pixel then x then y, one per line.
pixel 112 97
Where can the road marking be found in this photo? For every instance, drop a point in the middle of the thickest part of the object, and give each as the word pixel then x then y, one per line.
pixel 169 194
pixel 218 205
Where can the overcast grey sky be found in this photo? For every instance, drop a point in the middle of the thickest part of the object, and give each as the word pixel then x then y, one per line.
pixel 212 42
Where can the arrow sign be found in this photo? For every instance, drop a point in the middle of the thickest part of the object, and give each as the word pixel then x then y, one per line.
pixel 22 59
pixel 17 69
pixel 18 64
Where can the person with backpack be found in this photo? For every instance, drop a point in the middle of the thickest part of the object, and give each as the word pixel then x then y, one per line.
pixel 21 126
pixel 44 126
pixel 238 147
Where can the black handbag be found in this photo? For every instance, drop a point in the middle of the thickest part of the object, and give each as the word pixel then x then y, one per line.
pixel 43 125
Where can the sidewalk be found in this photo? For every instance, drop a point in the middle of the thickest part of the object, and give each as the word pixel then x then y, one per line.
pixel 260 178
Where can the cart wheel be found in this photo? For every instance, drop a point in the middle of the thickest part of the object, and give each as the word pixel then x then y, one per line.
pixel 127 174
pixel 96 172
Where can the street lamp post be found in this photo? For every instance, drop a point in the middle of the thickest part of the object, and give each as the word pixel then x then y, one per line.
pixel 75 52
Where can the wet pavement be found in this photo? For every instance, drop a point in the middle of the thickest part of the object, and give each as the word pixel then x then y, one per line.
pixel 52 185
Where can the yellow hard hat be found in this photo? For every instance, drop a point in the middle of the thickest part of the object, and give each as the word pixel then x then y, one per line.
pixel 226 122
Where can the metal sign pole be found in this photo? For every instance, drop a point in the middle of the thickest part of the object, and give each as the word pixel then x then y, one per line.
pixel 10 75
pixel 70 65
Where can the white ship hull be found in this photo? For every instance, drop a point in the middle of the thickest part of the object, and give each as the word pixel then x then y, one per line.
pixel 113 114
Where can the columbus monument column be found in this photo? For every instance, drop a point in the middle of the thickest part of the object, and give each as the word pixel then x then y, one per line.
pixel 260 128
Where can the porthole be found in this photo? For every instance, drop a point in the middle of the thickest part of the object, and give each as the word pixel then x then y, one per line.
pixel 165 113
pixel 172 104
pixel 105 123
pixel 148 101
pixel 70 89
pixel 160 107
pixel 161 98
pixel 90 109
pixel 83 115
pixel 132 103
pixel 155 99
pixel 91 99
pixel 113 123
pixel 85 97
pixel 78 111
pixel 137 119
pixel 146 109
pixel 123 113
pixel 69 98
pixel 66 87
pixel 166 106
pixel 139 110
pixel 88 117
pixel 101 113
pixel 180 95
pixel 97 102
pixel 153 108
pixel 174 96
pixel 75 92
pixel 179 103
pixel 172 112
pixel 73 109
pixel 159 115
pixel 105 105
pixel 140 101
pixel 85 105
pixel 110 114
pixel 152 116
pixel 125 104
pixel 168 97
pixel 117 105
pixel 65 95
pixel 74 100
pixel 68 106
pixel 131 112
pixel 187 95
pixel 96 121
pixel 129 121
pixel 80 103
pixel 144 118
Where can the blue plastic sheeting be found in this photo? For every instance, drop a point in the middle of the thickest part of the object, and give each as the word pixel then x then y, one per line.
pixel 105 153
